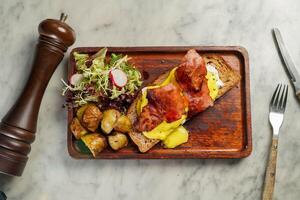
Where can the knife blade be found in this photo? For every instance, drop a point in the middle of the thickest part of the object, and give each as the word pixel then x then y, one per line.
pixel 289 64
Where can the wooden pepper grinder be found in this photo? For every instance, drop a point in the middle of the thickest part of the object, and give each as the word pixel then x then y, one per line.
pixel 18 127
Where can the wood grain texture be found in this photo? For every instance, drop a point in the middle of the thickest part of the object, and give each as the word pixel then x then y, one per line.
pixel 18 126
pixel 222 131
pixel 298 95
pixel 271 171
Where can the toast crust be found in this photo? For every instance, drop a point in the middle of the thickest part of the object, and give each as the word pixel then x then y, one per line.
pixel 229 77
pixel 143 143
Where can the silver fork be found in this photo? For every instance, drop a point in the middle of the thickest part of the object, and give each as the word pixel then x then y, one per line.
pixel 277 108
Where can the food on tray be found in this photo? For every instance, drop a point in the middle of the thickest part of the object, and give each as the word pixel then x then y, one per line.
pixel 118 77
pixel 117 140
pixel 95 142
pixel 80 111
pixel 91 117
pixel 161 108
pixel 123 124
pixel 111 80
pixel 103 89
pixel 110 118
pixel 77 129
pixel 179 136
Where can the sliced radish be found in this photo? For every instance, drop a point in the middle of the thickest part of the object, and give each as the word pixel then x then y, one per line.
pixel 76 78
pixel 118 77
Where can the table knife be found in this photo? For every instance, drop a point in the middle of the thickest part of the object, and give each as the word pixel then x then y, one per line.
pixel 288 63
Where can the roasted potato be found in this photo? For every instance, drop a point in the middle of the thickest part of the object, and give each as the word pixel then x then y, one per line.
pixel 109 120
pixel 76 128
pixel 123 124
pixel 91 117
pixel 95 142
pixel 117 141
pixel 80 111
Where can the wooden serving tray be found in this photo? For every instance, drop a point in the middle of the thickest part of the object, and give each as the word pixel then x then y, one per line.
pixel 222 131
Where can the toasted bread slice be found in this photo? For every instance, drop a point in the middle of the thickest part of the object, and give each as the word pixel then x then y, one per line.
pixel 143 143
pixel 229 77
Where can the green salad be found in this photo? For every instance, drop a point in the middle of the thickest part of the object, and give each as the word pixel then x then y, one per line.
pixel 98 77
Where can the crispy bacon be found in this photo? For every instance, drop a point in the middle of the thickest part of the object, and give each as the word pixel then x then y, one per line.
pixel 191 72
pixel 191 78
pixel 198 100
pixel 169 102
pixel 148 119
pixel 164 104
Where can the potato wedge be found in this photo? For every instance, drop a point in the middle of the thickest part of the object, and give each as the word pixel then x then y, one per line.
pixel 123 124
pixel 80 111
pixel 77 129
pixel 91 117
pixel 95 142
pixel 117 141
pixel 109 120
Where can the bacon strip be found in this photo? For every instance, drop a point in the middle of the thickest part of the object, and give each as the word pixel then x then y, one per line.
pixel 168 103
pixel 164 104
pixel 191 78
pixel 149 118
pixel 191 72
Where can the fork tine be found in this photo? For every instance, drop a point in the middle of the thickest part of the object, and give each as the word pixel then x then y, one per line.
pixel 285 97
pixel 274 95
pixel 281 97
pixel 275 104
pixel 277 98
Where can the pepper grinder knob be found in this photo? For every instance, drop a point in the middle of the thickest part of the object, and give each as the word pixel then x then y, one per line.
pixel 18 127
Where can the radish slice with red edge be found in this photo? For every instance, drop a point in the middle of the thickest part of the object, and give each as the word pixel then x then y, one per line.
pixel 118 77
pixel 76 78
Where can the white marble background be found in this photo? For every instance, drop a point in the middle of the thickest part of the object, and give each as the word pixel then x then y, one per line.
pixel 52 174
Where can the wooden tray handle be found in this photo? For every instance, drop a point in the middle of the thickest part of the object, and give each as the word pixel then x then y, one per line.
pixel 18 127
pixel 271 172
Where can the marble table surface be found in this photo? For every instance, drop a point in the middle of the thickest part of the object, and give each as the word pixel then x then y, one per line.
pixel 52 174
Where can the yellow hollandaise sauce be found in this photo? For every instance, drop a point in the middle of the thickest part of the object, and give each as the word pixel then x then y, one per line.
pixel 143 100
pixel 174 134
pixel 212 85
pixel 179 136
pixel 164 129
pixel 214 82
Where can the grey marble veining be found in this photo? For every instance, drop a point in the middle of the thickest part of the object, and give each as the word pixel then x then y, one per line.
pixel 52 174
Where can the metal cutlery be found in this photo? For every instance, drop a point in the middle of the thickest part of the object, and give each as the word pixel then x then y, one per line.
pixel 289 65
pixel 277 108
